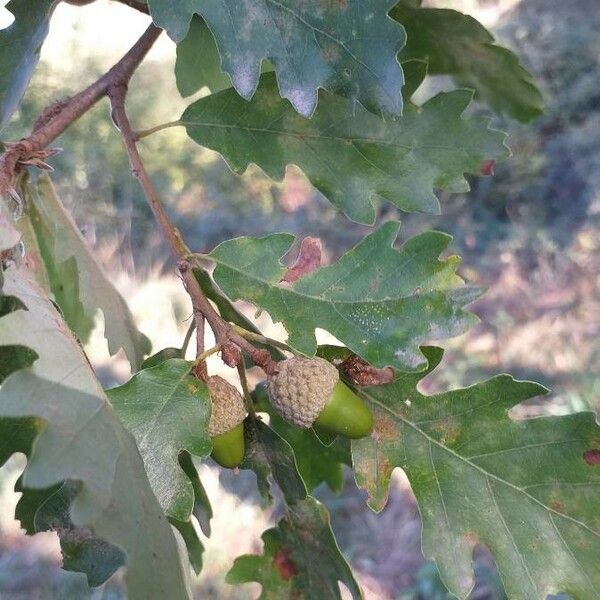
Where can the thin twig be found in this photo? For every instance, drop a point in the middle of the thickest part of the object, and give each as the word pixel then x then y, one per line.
pixel 117 93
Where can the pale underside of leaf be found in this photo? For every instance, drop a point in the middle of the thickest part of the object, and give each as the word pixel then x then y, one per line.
pixel 70 254
pixel 349 154
pixel 311 46
pixel 480 477
pixel 84 441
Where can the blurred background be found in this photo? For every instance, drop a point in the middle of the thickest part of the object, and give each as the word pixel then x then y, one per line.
pixel 530 235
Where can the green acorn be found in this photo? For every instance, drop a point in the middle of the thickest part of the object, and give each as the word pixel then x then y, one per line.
pixel 226 425
pixel 308 391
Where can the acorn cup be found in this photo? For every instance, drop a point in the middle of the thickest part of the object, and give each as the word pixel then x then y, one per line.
pixel 226 424
pixel 308 391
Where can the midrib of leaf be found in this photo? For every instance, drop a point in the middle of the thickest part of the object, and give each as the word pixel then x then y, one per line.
pixel 320 137
pixel 432 440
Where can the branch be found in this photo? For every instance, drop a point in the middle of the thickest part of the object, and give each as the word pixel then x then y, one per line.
pixel 55 119
pixel 230 341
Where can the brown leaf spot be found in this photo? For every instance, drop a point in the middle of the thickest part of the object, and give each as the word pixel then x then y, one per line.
pixel 583 544
pixel 193 388
pixel 385 429
pixel 309 259
pixel 487 167
pixel 284 564
pixel 337 4
pixel 447 430
pixel 557 506
pixel 471 538
pixel 592 457
pixel 330 53
pixel 384 468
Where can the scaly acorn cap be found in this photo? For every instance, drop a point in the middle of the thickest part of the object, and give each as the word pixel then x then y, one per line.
pixel 228 408
pixel 301 388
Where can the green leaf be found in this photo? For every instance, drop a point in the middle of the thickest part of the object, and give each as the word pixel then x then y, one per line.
pixel 328 46
pixel 458 45
pixel 30 500
pixel 82 550
pixel 167 410
pixel 194 546
pixel 161 356
pixel 202 509
pixel 300 560
pixel 349 154
pixel 77 281
pixel 415 72
pixel 83 440
pixel 379 301
pixel 16 435
pixel 13 358
pixel 33 255
pixel 198 61
pixel 64 282
pixel 21 43
pixel 316 462
pixel 529 489
pixel 270 456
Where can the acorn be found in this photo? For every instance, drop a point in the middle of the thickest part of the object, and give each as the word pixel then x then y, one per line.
pixel 309 391
pixel 226 424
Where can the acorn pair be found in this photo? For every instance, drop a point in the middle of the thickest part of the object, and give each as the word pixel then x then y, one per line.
pixel 304 391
